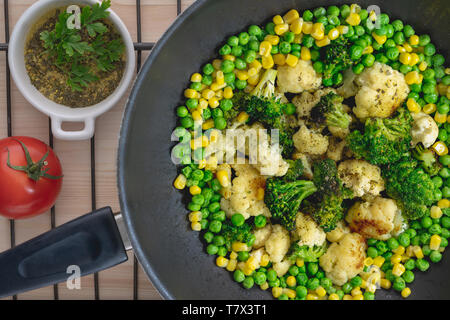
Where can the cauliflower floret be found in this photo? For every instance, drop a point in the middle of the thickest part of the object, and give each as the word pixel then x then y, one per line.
pixel 307 231
pixel 373 219
pixel 261 235
pixel 278 243
pixel 348 88
pixel 424 129
pixel 306 141
pixel 381 90
pixel 299 78
pixel 337 233
pixel 268 159
pixel 306 101
pixel 400 224
pixel 344 259
pixel 244 193
pixel 336 149
pixel 282 267
pixel 361 176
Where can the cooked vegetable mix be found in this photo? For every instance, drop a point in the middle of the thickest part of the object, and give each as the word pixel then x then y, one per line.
pixel 354 197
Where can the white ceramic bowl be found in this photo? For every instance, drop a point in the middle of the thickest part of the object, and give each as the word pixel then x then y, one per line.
pixel 57 112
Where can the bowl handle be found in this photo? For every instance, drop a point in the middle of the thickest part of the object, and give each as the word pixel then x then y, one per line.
pixel 86 133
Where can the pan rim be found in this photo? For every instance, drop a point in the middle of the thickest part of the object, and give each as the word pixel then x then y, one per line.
pixel 123 137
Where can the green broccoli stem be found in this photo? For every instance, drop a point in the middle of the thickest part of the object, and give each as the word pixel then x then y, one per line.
pixel 338 118
pixel 266 86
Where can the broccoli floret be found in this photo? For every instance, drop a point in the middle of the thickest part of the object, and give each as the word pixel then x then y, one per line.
pixel 232 233
pixel 427 159
pixel 326 205
pixel 284 198
pixel 384 141
pixel 306 253
pixel 336 57
pixel 410 186
pixel 295 170
pixel 331 111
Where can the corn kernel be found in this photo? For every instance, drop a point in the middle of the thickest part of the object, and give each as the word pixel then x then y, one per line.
pixel 196 226
pixel 213 102
pixel 398 269
pixel 323 42
pixel 272 39
pixel 363 284
pixel 407 47
pixel 342 29
pixel 307 27
pixel 400 250
pixel 247 271
pixel 299 262
pixel 414 40
pixel 290 293
pixel 367 50
pixel 180 182
pixel 195 216
pixel 278 19
pixel 253 80
pixel 242 117
pixel 418 252
pixel 355 291
pixel 406 292
pixel 358 297
pixel 312 296
pixel 190 93
pixel 279 59
pixel 265 48
pixel 232 263
pixel 291 16
pixel 305 54
pixel 396 258
pixel 197 115
pixel 229 57
pixel 208 93
pixel 241 74
pixel 239 246
pixel 265 259
pixel 439 147
pixel 412 77
pixel 290 281
pixel 298 38
pixel 211 163
pixel 378 261
pixel 221 261
pixel 429 108
pixel 264 286
pixel 347 297
pixel 435 242
pixel 414 59
pixel 296 26
pixel 196 77
pixel 252 72
pixel 379 39
pixel 355 8
pixel 385 283
pixel 223 178
pixel 353 19
pixel 368 261
pixel 228 93
pixel 318 31
pixel 373 15
pixel 401 49
pixel 251 263
pixel 281 29
pixel 333 296
pixel 216 86
pixel 321 292
pixel 194 190
pixel 267 62
pixel 333 34
pixel 371 287
pixel 442 89
pixel 410 251
pixel 435 211
pixel 405 58
pixel 260 194
pixel 423 66
pixel 443 203
pixel 276 292
pixel 291 60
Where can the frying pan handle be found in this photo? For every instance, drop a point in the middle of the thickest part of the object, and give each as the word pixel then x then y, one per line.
pixel 85 245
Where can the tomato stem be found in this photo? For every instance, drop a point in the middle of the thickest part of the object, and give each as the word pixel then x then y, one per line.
pixel 34 170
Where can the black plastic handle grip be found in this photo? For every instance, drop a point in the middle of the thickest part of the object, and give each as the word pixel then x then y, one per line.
pixel 91 242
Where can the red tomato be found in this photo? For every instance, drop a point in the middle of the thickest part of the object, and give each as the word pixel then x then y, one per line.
pixel 29 181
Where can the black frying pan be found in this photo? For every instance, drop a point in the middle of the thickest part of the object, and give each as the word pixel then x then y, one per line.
pixel 172 255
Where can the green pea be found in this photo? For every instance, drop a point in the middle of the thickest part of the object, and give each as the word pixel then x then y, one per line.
pixel 243 256
pixel 445 159
pixel 398 25
pixel 308 15
pixel 399 38
pixel 446 80
pixel 259 277
pixel 372 252
pixel 444 172
pixel 435 229
pixel 410 264
pixel 334 21
pixel 429 49
pixel 227 66
pixel 225 49
pixel 446 192
pixel 404 68
pixel 404 239
pixel 301 291
pixel 302 279
pixel 308 41
pixel 289 108
pixel 399 284
pixel 208 69
pixel 313 283
pixel 368 60
pixel 422 265
pixel 445 233
pixel 240 64
pixel 438 60
pixel 244 38
pixel 425 238
pixel 240 84
pixel 369 295
pixel 271 275
pixel 319 12
pixel 347 287
pixel 236 51
pixel 445 222
pixel 312 268
pixel 392 243
pixel 392 53
pixel 389 44
pixel 356 281
pixel 358 68
pixel 238 276
pixel 383 18
pixel 338 78
pixel 260 221
pixel 444 242
pixel 212 249
pixel 237 219
pixel 408 276
pixel 435 256
pixel 318 66
pixel 380 57
pixel 408 30
pixel 248 282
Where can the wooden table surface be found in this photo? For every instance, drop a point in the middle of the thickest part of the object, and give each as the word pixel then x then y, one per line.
pixel 75 198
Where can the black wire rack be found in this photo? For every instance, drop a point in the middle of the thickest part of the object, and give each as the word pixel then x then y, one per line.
pixel 139 47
